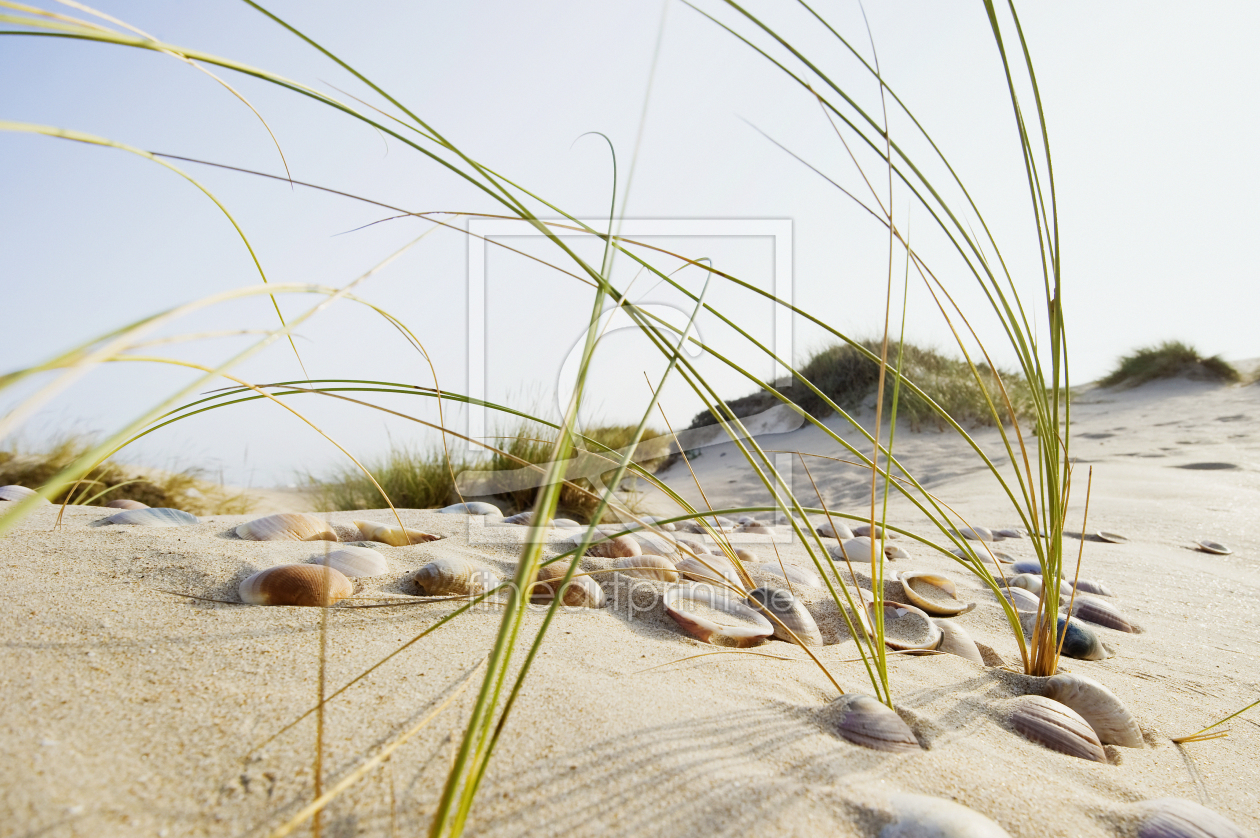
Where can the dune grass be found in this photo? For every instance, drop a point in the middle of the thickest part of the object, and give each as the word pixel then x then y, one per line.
pixel 1170 359
pixel 187 489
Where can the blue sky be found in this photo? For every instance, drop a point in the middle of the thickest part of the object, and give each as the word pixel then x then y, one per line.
pixel 1152 114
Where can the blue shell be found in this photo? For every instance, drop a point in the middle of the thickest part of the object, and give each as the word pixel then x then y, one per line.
pixel 1080 643
pixel 158 517
pixel 1027 566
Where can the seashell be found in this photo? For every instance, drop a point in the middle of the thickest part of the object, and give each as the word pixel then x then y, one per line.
pixel 694 568
pixel 1172 817
pixel 919 816
pixel 742 627
pixel 656 545
pixel 1024 602
pixel 581 592
pixel 693 527
pixel 795 574
pixel 286 526
pixel 976 533
pixel 863 721
pixel 835 529
pixel 296 584
pixel 1088 586
pixel 1097 705
pixel 454 576
pixel 1205 545
pixel 1111 537
pixel 892 551
pixel 1101 613
pixel 791 613
pixel 17 493
pixel 933 593
pixel 726 523
pixel 611 548
pixel 694 548
pixel 159 517
pixel 471 508
pixel 757 528
pixel 1056 726
pixel 956 641
pixel 905 627
pixel 1030 582
pixel 1027 566
pixel 1078 641
pixel 864 531
pixel 1009 533
pixel 660 524
pixel 566 524
pixel 746 556
pixel 648 566
pixel 393 536
pixel 354 562
pixel 856 549
pixel 986 554
pixel 123 503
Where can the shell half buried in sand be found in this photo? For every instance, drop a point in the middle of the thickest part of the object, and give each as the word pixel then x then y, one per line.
pixel 790 616
pixel 933 593
pixel 1056 726
pixel 1096 704
pixel 296 584
pixel 354 562
pixel 1111 537
pixel 471 508
pixel 1214 547
pixel 920 816
pixel 714 616
pixel 1172 817
pixel 713 569
pixel 1102 613
pixel 286 526
pixel 159 517
pixel 124 503
pixel 651 567
pixel 906 628
pixel 454 576
pixel 392 535
pixel 864 721
pixel 581 592
pixel 16 493
pixel 795 574
pixel 835 529
pixel 956 641
pixel 608 548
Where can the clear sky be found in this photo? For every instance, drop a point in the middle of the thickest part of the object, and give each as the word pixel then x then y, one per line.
pixel 1152 113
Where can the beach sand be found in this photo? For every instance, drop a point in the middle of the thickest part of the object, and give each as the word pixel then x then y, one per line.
pixel 131 709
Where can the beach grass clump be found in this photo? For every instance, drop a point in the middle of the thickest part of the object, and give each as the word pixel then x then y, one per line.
pixel 187 489
pixel 1170 359
pixel 849 378
pixel 414 478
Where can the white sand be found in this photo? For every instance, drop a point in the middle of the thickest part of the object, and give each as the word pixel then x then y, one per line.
pixel 129 711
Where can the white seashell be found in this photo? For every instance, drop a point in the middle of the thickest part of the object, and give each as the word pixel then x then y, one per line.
pixel 698 569
pixel 159 517
pixel 393 536
pixel 790 613
pixel 932 592
pixel 16 493
pixel 581 592
pixel 1023 601
pixel 892 552
pixel 740 626
pixel 863 721
pixel 956 641
pixel 123 503
pixel 976 533
pixel 1111 537
pixel 1056 726
pixel 295 584
pixel 1172 817
pixel 454 576
pixel 1030 582
pixel 856 549
pixel 795 574
pixel 985 553
pixel 648 566
pixel 1214 547
pixel 906 627
pixel 355 562
pixel 567 524
pixel 286 526
pixel 1097 705
pixel 835 529
pixel 919 816
pixel 472 508
pixel 864 531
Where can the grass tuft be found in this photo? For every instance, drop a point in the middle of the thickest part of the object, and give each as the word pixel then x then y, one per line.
pixel 1171 359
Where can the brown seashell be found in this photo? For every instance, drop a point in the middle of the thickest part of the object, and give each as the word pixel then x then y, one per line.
pixel 863 721
pixel 792 615
pixel 698 569
pixel 919 816
pixel 581 592
pixel 932 592
pixel 864 531
pixel 393 536
pixel 1172 817
pixel 647 566
pixel 741 628
pixel 123 503
pixel 1056 726
pixel 611 548
pixel 15 493
pixel 956 641
pixel 906 627
pixel 1101 613
pixel 295 584
pixel 287 526
pixel 454 576
pixel 1097 705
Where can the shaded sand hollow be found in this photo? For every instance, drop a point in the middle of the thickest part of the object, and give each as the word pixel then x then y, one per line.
pixel 131 711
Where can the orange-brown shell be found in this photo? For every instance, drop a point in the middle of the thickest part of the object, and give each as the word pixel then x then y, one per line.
pixel 615 548
pixel 287 526
pixel 296 584
pixel 394 536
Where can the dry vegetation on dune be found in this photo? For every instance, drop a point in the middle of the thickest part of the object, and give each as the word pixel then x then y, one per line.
pixel 1170 359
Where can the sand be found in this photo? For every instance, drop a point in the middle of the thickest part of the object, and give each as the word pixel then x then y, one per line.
pixel 133 711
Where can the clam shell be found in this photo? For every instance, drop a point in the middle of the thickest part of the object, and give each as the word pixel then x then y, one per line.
pixel 286 526
pixel 791 613
pixel 694 568
pixel 919 816
pixel 581 592
pixel 986 554
pixel 17 493
pixel 648 566
pixel 612 548
pixel 1205 545
pixel 1111 537
pixel 835 529
pixel 1078 641
pixel 159 517
pixel 864 531
pixel 123 503
pixel 1010 533
pixel 454 576
pixel 892 552
pixel 976 533
pixel 1101 613
pixel 747 628
pixel 295 584
pixel 393 536
pixel 906 627
pixel 1027 566
pixel 1030 582
pixel 795 574
pixel 471 508
pixel 1097 705
pixel 1090 586
pixel 354 562
pixel 1024 602
pixel 863 721
pixel 1056 726
pixel 856 549
pixel 933 593
pixel 1172 817
pixel 956 641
